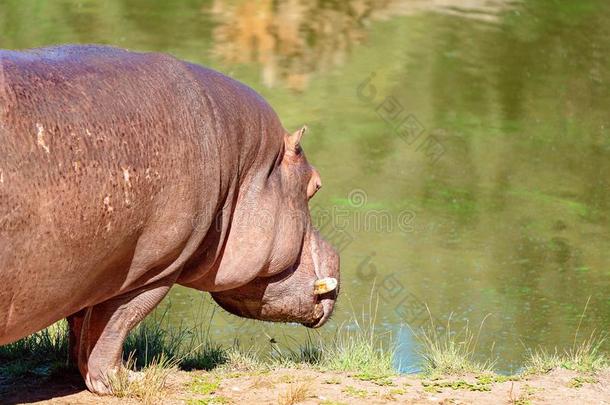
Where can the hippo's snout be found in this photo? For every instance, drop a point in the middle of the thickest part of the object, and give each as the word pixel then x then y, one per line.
pixel 305 293
pixel 325 260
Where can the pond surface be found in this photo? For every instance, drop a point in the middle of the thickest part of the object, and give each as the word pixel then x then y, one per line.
pixel 464 150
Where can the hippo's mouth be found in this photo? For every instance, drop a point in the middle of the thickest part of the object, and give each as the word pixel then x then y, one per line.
pixel 323 308
pixel 321 320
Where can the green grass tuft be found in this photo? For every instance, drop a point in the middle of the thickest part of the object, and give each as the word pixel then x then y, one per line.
pixel 448 352
pixel 584 355
pixel 356 346
pixel 360 347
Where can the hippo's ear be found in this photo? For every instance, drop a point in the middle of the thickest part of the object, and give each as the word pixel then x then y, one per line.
pixel 293 142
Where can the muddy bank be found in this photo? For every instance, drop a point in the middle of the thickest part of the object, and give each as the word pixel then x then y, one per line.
pixel 289 386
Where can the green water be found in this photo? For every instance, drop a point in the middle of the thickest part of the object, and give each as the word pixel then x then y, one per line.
pixel 471 174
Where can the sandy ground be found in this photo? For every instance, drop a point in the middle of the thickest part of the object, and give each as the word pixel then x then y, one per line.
pixel 289 386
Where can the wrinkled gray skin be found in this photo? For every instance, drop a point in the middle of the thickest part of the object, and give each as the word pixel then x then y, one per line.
pixel 122 174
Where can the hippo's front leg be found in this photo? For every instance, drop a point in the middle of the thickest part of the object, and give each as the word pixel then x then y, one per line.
pixel 105 327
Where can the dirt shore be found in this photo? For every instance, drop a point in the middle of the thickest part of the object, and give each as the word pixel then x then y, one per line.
pixel 289 386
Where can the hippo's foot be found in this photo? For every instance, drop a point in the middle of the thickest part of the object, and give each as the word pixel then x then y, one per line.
pixel 101 385
pixel 112 380
pixel 104 329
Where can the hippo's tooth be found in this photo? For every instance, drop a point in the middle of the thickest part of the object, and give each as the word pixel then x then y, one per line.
pixel 324 285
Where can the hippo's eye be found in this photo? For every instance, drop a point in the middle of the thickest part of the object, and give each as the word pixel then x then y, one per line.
pixel 315 183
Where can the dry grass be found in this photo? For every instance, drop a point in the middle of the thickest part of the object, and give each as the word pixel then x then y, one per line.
pixel 520 398
pixel 294 394
pixel 146 385
pixel 261 382
pixel 238 360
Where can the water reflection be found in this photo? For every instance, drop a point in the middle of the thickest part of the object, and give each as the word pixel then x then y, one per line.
pixel 293 40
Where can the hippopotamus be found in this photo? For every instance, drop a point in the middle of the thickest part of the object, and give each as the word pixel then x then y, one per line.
pixel 123 174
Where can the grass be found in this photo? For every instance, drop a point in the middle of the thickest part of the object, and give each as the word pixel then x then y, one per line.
pixel 147 385
pixel 579 382
pixel 156 337
pixel 204 386
pixel 240 360
pixel 359 347
pixel 294 394
pixel 355 346
pixel 153 339
pixel 447 352
pixel 522 398
pixel 42 353
pixel 583 355
pixel 156 348
pixel 355 392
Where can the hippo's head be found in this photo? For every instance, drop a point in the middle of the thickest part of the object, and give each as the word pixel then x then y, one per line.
pixel 296 273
